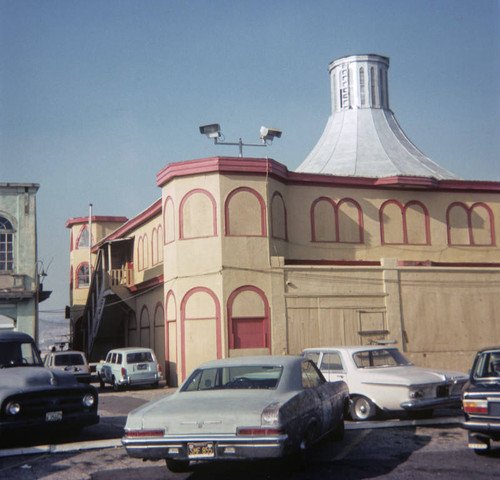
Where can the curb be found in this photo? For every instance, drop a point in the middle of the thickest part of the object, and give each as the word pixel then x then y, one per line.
pixel 116 442
pixel 62 448
pixel 403 423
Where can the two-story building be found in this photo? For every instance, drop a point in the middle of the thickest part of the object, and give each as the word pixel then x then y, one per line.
pixel 20 271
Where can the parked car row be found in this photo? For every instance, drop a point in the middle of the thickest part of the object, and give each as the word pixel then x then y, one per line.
pixel 247 407
pixel 270 406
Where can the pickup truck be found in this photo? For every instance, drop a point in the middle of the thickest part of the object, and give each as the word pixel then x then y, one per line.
pixel 32 396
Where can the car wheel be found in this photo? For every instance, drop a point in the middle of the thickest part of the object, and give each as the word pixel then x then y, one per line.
pixel 177 466
pixel 362 408
pixel 101 381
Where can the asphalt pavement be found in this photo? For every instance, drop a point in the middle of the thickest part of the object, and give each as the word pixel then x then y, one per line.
pixel 114 407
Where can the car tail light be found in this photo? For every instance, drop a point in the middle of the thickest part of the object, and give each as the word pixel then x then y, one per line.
pixel 270 414
pixel 159 368
pixel 259 431
pixel 145 433
pixel 124 372
pixel 475 406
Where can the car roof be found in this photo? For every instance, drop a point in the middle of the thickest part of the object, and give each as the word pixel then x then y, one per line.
pixel 283 360
pixel 489 349
pixel 11 336
pixel 130 349
pixel 65 352
pixel 351 348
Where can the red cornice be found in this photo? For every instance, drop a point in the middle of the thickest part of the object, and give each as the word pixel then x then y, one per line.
pixel 265 166
pixel 79 220
pixel 152 282
pixel 337 263
pixel 135 222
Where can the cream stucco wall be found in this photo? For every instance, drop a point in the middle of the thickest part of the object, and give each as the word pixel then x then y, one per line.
pixel 221 247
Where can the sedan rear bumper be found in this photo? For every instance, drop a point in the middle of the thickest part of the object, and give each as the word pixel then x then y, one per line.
pixel 453 401
pixel 482 426
pixel 225 447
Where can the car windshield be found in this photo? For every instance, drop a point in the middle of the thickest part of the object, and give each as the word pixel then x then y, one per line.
pixel 387 357
pixel 19 354
pixel 64 359
pixel 237 377
pixel 487 366
pixel 139 357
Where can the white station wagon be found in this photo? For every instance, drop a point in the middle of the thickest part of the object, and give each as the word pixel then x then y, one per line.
pixel 129 366
pixel 380 378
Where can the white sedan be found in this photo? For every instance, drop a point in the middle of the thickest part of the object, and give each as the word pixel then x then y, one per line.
pixel 240 408
pixel 380 378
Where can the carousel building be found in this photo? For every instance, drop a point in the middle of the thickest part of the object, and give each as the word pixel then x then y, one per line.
pixel 367 241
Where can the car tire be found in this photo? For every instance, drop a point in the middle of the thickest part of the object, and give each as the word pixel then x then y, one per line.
pixel 101 381
pixel 362 409
pixel 177 466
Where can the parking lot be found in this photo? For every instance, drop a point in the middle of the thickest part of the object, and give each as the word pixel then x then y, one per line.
pixel 391 448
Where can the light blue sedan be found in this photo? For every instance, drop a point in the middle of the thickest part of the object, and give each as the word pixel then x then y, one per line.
pixel 240 408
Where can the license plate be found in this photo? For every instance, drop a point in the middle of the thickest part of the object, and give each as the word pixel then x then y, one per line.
pixel 142 366
pixel 201 450
pixel 53 416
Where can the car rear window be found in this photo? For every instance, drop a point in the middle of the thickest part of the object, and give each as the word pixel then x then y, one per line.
pixel 390 357
pixel 139 357
pixel 235 378
pixel 488 365
pixel 68 359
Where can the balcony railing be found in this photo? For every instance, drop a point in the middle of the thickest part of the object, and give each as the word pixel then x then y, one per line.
pixel 124 277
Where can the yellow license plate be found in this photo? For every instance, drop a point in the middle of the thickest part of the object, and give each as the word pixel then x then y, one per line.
pixel 201 450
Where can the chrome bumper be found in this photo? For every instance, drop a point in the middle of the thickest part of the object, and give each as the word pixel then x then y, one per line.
pixel 453 401
pixel 225 447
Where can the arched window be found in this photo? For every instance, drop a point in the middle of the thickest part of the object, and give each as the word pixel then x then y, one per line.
pixel 197 215
pixel 245 213
pixel 372 85
pixel 404 224
pixel 144 327
pixel 278 217
pixel 83 239
pixel 340 222
pixel 6 245
pixel 248 314
pixel 362 85
pixel 200 328
pixel 472 225
pixel 82 276
pixel 168 220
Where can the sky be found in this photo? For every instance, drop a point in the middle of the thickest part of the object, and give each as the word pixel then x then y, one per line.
pixel 97 96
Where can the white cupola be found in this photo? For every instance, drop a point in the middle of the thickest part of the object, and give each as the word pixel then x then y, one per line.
pixel 362 137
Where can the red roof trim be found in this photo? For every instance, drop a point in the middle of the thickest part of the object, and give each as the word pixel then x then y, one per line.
pixel 340 263
pixel 152 282
pixel 264 166
pixel 77 221
pixel 138 220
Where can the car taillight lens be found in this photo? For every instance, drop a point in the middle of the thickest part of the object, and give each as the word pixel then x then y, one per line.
pixel 145 433
pixel 259 431
pixel 124 372
pixel 159 368
pixel 475 406
pixel 270 414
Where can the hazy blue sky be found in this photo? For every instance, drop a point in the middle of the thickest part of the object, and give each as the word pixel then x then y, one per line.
pixel 97 96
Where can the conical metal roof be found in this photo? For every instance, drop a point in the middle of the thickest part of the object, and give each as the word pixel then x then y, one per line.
pixel 362 137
